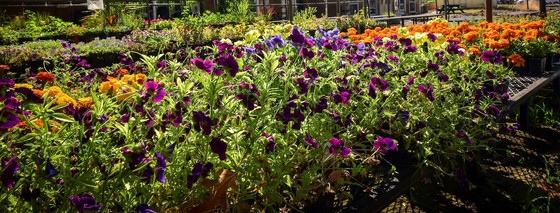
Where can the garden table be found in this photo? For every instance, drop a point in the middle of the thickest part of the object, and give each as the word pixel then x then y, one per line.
pixel 522 88
pixel 521 13
pixel 414 18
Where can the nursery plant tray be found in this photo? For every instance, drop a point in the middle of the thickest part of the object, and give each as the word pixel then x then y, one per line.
pixel 521 88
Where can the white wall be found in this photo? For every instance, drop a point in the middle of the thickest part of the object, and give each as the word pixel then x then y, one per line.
pixel 468 3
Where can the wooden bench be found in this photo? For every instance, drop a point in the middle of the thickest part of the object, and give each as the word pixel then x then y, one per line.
pixel 452 8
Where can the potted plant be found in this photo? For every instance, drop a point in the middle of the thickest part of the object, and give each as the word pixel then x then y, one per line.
pixel 534 52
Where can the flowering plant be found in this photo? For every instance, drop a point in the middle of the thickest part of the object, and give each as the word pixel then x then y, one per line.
pixel 283 121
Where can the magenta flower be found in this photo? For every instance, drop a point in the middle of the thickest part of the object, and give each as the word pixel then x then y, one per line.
pixel 337 147
pixel 9 170
pixel 310 141
pixel 206 65
pixel 342 97
pixel 428 90
pixel 85 202
pixel 384 144
pixel 311 73
pixel 229 63
pixel 219 147
pixel 306 53
pixel 303 86
pixel 155 89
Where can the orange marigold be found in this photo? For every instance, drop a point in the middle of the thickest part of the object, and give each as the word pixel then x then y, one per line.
pixel 62 98
pixel 45 76
pixel 470 36
pixel 110 87
pixel 122 71
pixel 86 102
pixel 516 59
pixel 474 50
pixel 4 67
pixel 52 91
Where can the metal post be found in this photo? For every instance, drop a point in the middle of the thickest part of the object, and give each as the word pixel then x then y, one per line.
pixel 489 10
pixel 542 7
pixel 154 9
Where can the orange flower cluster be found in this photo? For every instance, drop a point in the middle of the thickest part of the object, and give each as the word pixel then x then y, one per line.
pixel 53 127
pixel 60 97
pixel 4 67
pixel 45 77
pixel 493 35
pixel 123 87
pixel 517 60
pixel 122 71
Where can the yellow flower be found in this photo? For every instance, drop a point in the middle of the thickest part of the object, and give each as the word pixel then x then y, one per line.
pixel 62 98
pixel 85 102
pixel 110 87
pixel 53 91
pixel 28 86
pixel 252 35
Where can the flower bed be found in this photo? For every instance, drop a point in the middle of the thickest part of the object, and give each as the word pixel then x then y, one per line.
pixel 279 122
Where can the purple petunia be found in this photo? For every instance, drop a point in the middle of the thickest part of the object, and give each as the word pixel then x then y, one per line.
pixel 143 208
pixel 493 57
pixel 342 97
pixel 9 169
pixel 155 89
pixel 461 134
pixel 311 73
pixel 160 168
pixel 219 147
pixel 384 144
pixel 303 86
pixel 206 65
pixel 202 123
pixel 85 202
pixel 310 141
pixel 271 143
pixel 229 63
pixel 50 170
pixel 198 170
pixel 428 90
pixel 337 147
pixel 296 36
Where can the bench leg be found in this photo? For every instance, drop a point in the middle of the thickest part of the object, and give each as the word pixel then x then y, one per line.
pixel 524 115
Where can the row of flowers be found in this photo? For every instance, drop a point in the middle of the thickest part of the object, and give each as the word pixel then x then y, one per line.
pixel 279 121
pixel 517 41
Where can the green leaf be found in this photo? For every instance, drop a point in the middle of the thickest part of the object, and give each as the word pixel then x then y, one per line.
pixel 63 117
pixel 28 137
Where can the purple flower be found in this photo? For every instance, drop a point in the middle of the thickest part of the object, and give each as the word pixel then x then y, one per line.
pixel 306 53
pixel 409 49
pixel 379 82
pixel 249 95
pixel 8 119
pixel 432 66
pixel 202 122
pixel 311 73
pixel 50 170
pixel 322 105
pixel 394 59
pixel 85 202
pixel 372 90
pixel 337 147
pixel 143 208
pixel 156 89
pixel 229 63
pixel 169 151
pixel 384 144
pixel 453 48
pixel 405 115
pixel 493 57
pixel 219 147
pixel 391 46
pixel 405 90
pixel 161 64
pixel 342 97
pixel 461 134
pixel 428 90
pixel 432 37
pixel 411 80
pixel 133 158
pixel 198 170
pixel 310 141
pixel 493 110
pixel 9 170
pixel 296 36
pixel 303 86
pixel 206 65
pixel 160 168
pixel 271 143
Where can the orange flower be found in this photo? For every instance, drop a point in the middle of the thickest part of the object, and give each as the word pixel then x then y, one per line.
pixel 110 87
pixel 45 76
pixel 122 71
pixel 470 36
pixel 86 102
pixel 4 67
pixel 516 59
pixel 53 91
pixel 141 78
pixel 38 93
pixel 62 99
pixel 474 50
